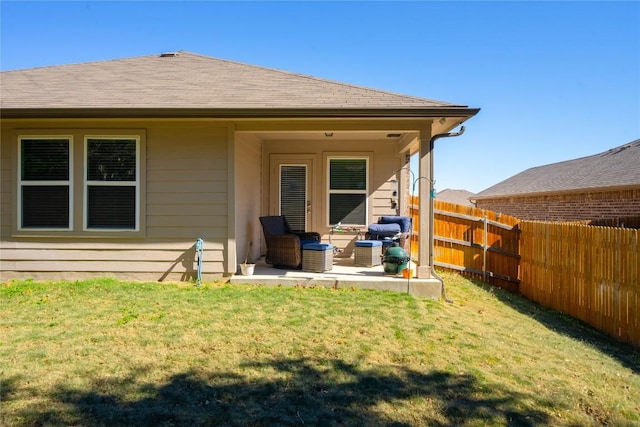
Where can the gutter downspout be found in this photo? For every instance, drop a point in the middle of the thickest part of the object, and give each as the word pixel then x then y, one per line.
pixel 431 208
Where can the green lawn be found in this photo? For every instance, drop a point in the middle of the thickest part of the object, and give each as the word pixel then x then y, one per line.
pixel 111 353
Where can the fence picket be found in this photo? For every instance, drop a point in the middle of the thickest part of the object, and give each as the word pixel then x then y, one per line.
pixel 594 274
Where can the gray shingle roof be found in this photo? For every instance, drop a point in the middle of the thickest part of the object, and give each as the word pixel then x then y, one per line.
pixel 191 81
pixel 617 167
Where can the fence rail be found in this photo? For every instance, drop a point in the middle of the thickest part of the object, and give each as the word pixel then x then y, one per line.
pixel 589 272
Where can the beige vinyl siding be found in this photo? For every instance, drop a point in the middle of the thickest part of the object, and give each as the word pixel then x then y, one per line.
pixel 73 260
pixel 129 260
pixel 381 200
pixel 7 183
pixel 187 181
pixel 248 207
pixel 185 198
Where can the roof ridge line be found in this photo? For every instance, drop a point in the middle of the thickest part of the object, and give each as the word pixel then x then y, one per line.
pixel 614 150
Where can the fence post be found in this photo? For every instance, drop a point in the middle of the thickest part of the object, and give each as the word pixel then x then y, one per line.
pixel 484 249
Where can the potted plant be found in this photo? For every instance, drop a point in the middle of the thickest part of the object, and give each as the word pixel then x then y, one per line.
pixel 247 268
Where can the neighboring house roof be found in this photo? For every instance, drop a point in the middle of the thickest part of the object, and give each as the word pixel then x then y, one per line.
pixel 459 197
pixel 618 167
pixel 187 81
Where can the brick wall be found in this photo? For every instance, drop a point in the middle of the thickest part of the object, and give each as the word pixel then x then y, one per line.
pixel 569 207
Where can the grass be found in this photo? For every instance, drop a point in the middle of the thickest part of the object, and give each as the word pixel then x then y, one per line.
pixel 111 353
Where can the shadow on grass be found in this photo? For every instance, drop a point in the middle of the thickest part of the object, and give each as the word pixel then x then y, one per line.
pixel 302 392
pixel 8 388
pixel 569 326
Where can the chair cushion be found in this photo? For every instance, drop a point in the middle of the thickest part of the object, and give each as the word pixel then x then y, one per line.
pixel 274 225
pixel 317 246
pixel 368 243
pixel 384 230
pixel 403 221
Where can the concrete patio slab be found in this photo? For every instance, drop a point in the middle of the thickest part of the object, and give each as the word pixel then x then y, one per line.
pixel 343 275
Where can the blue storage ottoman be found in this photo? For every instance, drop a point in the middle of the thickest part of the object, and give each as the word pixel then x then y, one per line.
pixel 368 253
pixel 317 257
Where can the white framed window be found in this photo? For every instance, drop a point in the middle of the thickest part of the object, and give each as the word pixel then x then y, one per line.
pixel 112 183
pixel 45 175
pixel 348 188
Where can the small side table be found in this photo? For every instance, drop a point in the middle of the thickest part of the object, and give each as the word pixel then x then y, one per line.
pixel 317 257
pixel 368 253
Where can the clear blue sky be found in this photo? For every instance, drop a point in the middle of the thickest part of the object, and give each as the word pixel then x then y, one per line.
pixel 554 80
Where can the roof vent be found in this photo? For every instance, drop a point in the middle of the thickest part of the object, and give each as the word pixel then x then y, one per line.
pixel 394 135
pixel 168 54
pixel 617 150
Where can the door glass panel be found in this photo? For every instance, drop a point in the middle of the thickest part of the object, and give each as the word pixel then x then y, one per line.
pixel 293 195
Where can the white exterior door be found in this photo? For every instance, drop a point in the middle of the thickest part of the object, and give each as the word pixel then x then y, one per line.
pixel 291 179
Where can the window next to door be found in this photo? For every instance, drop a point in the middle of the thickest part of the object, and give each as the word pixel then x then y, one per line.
pixel 348 187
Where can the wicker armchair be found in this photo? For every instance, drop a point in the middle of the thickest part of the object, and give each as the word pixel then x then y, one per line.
pixel 284 247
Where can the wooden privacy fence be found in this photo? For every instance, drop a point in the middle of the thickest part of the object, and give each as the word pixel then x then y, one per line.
pixel 591 273
pixel 475 242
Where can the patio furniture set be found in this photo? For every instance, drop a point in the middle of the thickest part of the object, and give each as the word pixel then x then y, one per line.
pixel 304 250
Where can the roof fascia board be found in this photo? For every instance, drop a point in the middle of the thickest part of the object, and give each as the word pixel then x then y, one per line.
pixel 40 113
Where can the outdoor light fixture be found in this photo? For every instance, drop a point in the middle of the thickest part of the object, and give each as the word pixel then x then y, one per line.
pixel 394 193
